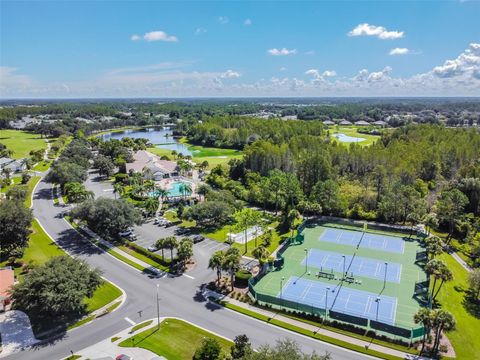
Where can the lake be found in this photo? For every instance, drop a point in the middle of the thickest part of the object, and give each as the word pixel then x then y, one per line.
pixel 347 139
pixel 160 137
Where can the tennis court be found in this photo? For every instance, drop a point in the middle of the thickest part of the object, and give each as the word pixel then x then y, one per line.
pixel 359 266
pixel 341 299
pixel 367 240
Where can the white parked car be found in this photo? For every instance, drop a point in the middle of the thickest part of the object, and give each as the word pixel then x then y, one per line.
pixel 127 232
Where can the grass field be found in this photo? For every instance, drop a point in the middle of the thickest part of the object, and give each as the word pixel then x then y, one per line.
pixel 452 298
pixel 30 185
pixel 104 295
pixel 214 156
pixel 175 340
pixel 353 131
pixel 42 166
pixel 21 142
pixel 405 307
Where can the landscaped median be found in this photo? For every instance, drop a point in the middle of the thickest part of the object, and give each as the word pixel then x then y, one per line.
pixel 315 335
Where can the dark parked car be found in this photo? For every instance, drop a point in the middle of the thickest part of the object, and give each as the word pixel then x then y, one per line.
pixel 198 238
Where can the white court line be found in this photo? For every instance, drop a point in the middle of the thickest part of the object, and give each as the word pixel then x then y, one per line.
pixel 394 311
pixel 305 291
pixel 346 302
pixel 130 321
pixel 399 272
pixel 339 235
pixel 368 305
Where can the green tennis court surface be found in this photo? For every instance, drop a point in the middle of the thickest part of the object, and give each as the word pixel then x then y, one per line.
pixel 370 275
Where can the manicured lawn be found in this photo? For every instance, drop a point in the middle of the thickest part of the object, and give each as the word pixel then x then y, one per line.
pixel 214 156
pixel 15 181
pixel 104 295
pixel 21 142
pixel 452 298
pixel 42 166
pixel 30 185
pixel 353 131
pixel 175 340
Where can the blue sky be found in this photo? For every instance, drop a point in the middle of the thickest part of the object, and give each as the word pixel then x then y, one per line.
pixel 239 48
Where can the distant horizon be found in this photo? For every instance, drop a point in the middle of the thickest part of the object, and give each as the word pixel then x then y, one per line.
pixel 127 49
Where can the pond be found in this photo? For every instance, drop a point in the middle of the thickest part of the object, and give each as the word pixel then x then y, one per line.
pixel 160 137
pixel 347 139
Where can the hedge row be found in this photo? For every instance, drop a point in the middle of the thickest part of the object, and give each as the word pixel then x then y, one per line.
pixel 149 254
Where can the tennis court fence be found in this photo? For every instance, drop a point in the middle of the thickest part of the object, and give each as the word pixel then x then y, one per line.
pixel 392 331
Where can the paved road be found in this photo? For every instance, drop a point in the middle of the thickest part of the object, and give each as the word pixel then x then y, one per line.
pixel 180 296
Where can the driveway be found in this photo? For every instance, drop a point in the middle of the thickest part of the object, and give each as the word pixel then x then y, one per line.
pixel 98 185
pixel 16 332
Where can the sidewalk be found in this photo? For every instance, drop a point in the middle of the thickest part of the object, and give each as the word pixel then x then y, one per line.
pixel 315 329
pixel 108 349
pixel 16 332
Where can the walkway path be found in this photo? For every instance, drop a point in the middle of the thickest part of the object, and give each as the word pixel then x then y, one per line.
pixel 315 329
pixel 16 332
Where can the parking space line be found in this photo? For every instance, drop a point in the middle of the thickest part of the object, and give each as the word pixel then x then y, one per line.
pixel 188 276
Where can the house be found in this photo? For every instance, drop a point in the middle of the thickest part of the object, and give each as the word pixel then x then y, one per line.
pixel 160 169
pixel 7 279
pixel 379 123
pixel 13 165
pixel 345 122
pixel 362 123
pixel 328 122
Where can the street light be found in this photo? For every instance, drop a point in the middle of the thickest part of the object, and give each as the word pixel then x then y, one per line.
pixel 326 302
pixel 385 277
pixel 158 309
pixel 281 290
pixel 378 304
pixel 306 260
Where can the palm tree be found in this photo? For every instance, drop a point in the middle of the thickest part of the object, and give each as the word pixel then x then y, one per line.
pixel 136 178
pixel 424 317
pixel 151 205
pixel 76 192
pixel 162 196
pixel 440 271
pixel 185 188
pixel 216 262
pixel 261 253
pixel 174 154
pixel 171 243
pixel 203 190
pixel 232 263
pixel 7 172
pixel 430 221
pixel 444 275
pixel 434 246
pixel 441 320
pixel 118 189
pixel 161 244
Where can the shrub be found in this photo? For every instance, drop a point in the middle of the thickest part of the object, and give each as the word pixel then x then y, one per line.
pixel 241 277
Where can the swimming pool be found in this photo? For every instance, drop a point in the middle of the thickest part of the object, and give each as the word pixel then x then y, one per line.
pixel 175 189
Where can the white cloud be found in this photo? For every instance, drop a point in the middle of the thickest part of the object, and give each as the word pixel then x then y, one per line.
pixel 310 52
pixel 223 20
pixel 455 77
pixel 247 22
pixel 399 51
pixel 329 73
pixel 282 52
pixel 378 31
pixel 466 64
pixel 230 74
pixel 135 37
pixel 159 36
pixel 200 30
pixel 283 68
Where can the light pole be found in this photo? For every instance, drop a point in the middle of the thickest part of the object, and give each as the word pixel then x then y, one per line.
pixel 158 309
pixel 306 260
pixel 281 290
pixel 385 277
pixel 343 275
pixel 378 304
pixel 326 302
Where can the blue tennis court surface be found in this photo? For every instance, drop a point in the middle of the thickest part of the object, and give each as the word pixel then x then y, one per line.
pixel 359 266
pixel 369 241
pixel 341 299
